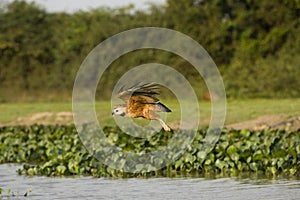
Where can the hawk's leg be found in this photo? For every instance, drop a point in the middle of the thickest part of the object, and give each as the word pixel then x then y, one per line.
pixel 154 116
pixel 164 125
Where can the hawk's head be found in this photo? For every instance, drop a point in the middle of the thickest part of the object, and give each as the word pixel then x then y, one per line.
pixel 119 110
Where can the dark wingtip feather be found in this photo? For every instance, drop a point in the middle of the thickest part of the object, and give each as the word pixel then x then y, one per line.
pixel 163 108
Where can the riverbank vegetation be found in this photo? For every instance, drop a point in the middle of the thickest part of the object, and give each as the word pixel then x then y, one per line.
pixel 58 151
pixel 254 43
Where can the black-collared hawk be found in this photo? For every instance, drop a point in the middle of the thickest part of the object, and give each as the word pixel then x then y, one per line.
pixel 141 101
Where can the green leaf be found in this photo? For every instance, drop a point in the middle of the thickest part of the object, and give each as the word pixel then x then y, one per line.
pixel 220 164
pixel 245 133
pixel 189 158
pixel 201 154
pixel 231 150
pixel 73 167
pixel 61 169
pixel 273 170
pixel 253 166
pixel 279 153
pixel 258 156
pixel 140 167
pixel 235 156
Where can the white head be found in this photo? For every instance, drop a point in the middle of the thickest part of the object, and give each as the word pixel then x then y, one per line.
pixel 119 110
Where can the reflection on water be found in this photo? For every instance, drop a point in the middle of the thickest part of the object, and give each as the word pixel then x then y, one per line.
pixel 153 188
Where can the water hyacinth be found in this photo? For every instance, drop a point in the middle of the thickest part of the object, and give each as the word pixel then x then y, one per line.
pixel 56 150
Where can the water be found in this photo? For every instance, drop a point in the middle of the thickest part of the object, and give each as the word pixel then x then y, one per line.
pixel 153 188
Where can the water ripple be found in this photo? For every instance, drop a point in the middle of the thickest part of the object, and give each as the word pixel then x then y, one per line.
pixel 153 188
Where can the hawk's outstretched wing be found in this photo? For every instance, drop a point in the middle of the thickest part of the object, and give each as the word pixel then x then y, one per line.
pixel 142 93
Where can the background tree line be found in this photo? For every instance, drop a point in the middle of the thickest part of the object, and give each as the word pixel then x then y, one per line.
pixel 255 44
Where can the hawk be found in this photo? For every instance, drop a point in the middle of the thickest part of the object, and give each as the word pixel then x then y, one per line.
pixel 141 101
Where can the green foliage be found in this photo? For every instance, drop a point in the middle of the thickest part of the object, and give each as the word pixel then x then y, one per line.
pixel 255 42
pixel 58 151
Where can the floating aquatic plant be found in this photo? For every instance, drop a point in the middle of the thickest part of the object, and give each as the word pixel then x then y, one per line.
pixel 57 150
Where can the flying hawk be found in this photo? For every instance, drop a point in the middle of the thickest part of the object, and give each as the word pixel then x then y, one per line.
pixel 141 101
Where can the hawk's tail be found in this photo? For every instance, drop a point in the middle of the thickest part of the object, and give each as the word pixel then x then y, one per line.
pixel 159 107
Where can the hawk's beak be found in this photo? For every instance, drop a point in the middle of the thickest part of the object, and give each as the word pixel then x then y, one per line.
pixel 112 113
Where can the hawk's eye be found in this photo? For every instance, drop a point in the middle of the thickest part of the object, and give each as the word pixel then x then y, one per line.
pixel 117 110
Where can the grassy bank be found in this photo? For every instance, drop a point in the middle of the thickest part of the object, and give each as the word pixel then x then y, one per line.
pixel 237 110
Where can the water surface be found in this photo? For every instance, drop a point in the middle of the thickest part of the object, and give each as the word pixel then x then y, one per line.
pixel 152 188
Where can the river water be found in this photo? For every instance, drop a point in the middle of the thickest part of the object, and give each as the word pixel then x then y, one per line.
pixel 136 188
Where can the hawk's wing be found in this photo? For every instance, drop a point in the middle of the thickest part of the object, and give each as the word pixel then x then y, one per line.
pixel 143 93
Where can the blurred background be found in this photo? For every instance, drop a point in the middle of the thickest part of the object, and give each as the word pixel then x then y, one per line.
pixel 255 44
